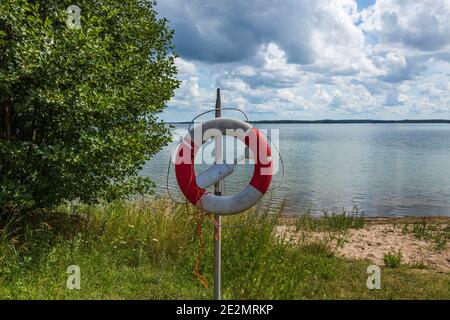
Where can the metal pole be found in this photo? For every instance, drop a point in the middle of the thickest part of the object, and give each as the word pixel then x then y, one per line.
pixel 217 219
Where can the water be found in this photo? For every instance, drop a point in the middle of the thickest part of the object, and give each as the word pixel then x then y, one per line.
pixel 384 169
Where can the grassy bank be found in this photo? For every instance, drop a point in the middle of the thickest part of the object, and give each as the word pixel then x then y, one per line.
pixel 148 250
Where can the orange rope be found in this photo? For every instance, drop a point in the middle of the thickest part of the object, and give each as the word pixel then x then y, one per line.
pixel 199 225
pixel 200 277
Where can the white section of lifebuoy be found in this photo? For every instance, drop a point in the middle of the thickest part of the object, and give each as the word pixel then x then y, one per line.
pixel 224 205
pixel 230 204
pixel 214 174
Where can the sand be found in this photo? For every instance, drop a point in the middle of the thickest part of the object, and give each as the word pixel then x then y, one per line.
pixel 375 240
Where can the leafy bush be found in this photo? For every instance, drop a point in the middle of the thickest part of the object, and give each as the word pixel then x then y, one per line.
pixel 79 107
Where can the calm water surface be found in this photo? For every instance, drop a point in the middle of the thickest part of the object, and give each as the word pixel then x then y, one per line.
pixel 384 169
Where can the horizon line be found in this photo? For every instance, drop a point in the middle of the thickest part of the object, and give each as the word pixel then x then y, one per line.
pixel 327 121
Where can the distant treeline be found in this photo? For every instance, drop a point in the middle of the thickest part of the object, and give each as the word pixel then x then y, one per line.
pixel 326 121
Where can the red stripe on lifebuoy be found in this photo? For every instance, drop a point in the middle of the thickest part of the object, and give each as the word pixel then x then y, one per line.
pixel 260 182
pixel 262 174
pixel 185 172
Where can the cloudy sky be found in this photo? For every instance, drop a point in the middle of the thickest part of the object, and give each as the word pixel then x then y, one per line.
pixel 312 59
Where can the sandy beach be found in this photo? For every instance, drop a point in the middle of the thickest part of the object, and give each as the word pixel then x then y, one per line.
pixel 380 236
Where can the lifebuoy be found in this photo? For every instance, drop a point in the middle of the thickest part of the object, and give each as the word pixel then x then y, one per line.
pixel 225 205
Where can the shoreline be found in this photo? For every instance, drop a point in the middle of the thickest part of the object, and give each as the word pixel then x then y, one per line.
pixel 381 219
pixel 343 121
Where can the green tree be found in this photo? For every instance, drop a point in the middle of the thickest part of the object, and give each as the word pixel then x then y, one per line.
pixel 79 107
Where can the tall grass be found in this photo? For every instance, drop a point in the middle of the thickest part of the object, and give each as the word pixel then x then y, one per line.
pixel 427 230
pixel 334 221
pixel 149 249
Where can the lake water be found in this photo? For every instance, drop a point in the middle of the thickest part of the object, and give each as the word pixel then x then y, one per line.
pixel 384 169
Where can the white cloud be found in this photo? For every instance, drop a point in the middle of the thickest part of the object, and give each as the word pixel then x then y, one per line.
pixel 313 59
pixel 185 67
pixel 423 25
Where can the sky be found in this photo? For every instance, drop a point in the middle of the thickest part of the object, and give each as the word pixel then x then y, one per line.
pixel 303 59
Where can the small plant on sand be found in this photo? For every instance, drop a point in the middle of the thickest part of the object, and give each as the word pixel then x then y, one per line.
pixel 441 242
pixel 393 259
pixel 439 234
pixel 334 221
pixel 423 230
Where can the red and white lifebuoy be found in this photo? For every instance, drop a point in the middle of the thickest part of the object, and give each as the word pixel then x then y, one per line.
pixel 225 205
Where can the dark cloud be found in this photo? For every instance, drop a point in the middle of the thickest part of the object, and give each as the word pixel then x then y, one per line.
pixel 259 80
pixel 233 30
